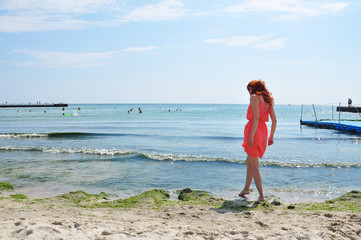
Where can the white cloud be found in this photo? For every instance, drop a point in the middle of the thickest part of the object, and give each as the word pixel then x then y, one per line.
pixel 54 59
pixel 64 59
pixel 140 49
pixel 290 9
pixel 47 15
pixel 334 7
pixel 58 6
pixel 39 23
pixel 167 10
pixel 239 40
pixel 272 44
pixel 264 42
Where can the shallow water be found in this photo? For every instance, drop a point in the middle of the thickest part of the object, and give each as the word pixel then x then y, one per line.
pixel 103 148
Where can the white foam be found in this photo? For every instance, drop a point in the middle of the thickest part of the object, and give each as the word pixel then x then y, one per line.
pixel 23 135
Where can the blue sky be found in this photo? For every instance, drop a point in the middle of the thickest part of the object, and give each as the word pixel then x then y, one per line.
pixel 179 51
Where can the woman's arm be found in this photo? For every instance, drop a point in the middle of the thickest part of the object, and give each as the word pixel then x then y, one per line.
pixel 273 127
pixel 255 109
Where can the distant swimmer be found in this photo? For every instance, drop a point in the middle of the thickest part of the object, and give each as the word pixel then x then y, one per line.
pixel 79 108
pixel 44 111
pixel 349 101
pixel 63 109
pixel 140 110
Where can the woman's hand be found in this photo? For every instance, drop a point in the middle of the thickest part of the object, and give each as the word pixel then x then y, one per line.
pixel 270 141
pixel 251 141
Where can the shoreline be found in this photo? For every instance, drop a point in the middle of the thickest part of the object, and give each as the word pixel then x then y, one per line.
pixel 286 197
pixel 194 215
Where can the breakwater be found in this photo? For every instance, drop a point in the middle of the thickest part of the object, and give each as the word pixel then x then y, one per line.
pixel 33 105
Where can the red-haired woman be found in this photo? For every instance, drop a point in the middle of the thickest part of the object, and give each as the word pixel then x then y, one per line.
pixel 255 133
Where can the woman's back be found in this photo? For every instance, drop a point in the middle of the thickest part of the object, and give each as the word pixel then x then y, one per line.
pixel 264 110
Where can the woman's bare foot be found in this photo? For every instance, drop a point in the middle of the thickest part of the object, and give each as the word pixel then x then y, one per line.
pixel 261 199
pixel 243 193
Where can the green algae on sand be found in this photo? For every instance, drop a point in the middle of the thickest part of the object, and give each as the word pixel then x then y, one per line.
pixel 349 202
pixel 18 196
pixel 153 198
pixel 6 186
pixel 158 198
pixel 82 198
pixel 190 196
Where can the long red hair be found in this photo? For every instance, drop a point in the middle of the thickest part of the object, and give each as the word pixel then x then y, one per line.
pixel 259 87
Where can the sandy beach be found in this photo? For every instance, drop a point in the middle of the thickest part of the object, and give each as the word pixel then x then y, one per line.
pixel 81 216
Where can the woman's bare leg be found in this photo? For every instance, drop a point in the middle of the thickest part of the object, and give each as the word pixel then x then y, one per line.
pixel 249 178
pixel 257 177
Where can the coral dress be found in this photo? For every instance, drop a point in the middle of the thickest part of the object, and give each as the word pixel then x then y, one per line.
pixel 260 137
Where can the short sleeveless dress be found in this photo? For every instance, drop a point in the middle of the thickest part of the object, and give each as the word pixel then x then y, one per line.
pixel 260 137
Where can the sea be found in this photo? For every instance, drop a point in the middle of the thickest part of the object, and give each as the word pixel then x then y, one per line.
pixel 117 149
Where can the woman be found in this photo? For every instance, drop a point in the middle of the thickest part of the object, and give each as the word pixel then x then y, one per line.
pixel 255 133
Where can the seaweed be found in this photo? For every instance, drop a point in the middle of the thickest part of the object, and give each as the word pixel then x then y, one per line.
pixel 18 196
pixel 349 202
pixel 6 186
pixel 189 196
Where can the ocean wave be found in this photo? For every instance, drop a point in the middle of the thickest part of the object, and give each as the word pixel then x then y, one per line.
pixel 46 135
pixel 65 135
pixel 310 165
pixel 107 152
pixel 174 158
pixel 171 157
pixel 57 135
pixel 71 134
pixel 23 135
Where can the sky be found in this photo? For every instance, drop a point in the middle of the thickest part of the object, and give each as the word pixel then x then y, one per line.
pixel 179 51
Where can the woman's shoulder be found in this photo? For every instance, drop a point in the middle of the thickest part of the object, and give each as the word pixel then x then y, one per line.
pixel 255 97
